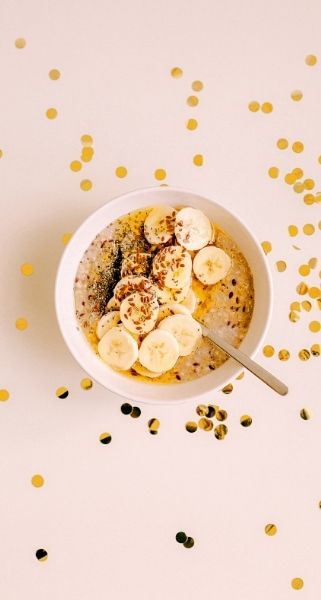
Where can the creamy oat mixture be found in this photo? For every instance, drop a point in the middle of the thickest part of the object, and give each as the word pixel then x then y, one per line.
pixel 144 251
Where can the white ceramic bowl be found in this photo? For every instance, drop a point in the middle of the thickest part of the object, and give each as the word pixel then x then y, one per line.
pixel 76 341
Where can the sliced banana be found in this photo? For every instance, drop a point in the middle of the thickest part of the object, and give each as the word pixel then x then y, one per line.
pixel 193 229
pixel 172 266
pixel 118 349
pixel 139 312
pixel 159 224
pixel 185 329
pixel 132 283
pixel 211 264
pixel 190 301
pixel 145 372
pixel 111 319
pixel 159 351
pixel 113 303
pixel 136 263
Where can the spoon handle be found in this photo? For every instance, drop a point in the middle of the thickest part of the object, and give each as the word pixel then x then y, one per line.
pixel 247 362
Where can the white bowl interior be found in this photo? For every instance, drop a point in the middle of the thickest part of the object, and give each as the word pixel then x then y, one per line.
pixel 76 341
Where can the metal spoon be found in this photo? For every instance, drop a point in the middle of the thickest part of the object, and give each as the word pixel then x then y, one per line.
pixel 247 362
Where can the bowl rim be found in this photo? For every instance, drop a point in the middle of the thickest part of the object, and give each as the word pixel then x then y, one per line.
pixel 83 226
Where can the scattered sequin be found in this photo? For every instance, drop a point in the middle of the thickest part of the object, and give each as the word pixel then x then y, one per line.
pixel 51 113
pixel 87 153
pixel 41 554
pixel 37 480
pixel 268 351
pixel 4 395
pixel 306 305
pixel 66 237
pixel 192 101
pixel 153 425
pixel 304 354
pixel 220 431
pixel 1 153
pixel 227 389
pixel 308 229
pixel 294 316
pixel 281 266
pixel 121 172
pixel 197 86
pixel 267 247
pixel 20 43
pixel 26 269
pixel 160 174
pixel 181 537
pixel 21 323
pixel 246 420
pixel 126 408
pixel 62 392
pixel 266 107
pixel 308 199
pixel 297 147
pixel 273 172
pixel 297 583
pixel 296 95
pixel 293 230
pixel 297 172
pixel 75 165
pixel 176 72
pixel 315 326
pixel 86 185
pixel 54 74
pixel 189 543
pixel 311 60
pixel 136 412
pixel 284 354
pixel 202 410
pixel 313 262
pixel 86 139
pixel 198 160
pixel 191 124
pixel 191 426
pixel 314 292
pixel 282 143
pixel 221 414
pixel 298 187
pixel 304 414
pixel 86 383
pixel 315 349
pixel 290 178
pixel 309 184
pixel 205 424
pixel 105 438
pixel 302 288
pixel 270 529
pixel 240 376
pixel 254 106
pixel 304 270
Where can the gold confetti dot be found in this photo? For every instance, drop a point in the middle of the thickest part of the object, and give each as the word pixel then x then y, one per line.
pixel 313 262
pixel 314 292
pixel 191 426
pixel 297 147
pixel 304 270
pixel 26 269
pixel 54 74
pixel 319 225
pixel 220 431
pixel 306 305
pixel 298 187
pixel 176 72
pixel 267 247
pixel 304 354
pixel 268 351
pixel 37 480
pixel 295 306
pixel 296 95
pixel 297 172
pixel 4 395
pixel 240 376
pixel 86 139
pixel 197 86
pixel 62 392
pixel 227 389
pixel 105 438
pixel 302 288
pixel 160 174
pixel 308 199
pixel 21 323
pixel 153 425
pixel 293 230
pixel 87 153
pixel 246 420
pixel 66 237
pixel 273 172
pixel 308 229
pixel 254 106
pixel 270 529
pixel 266 107
pixel 51 113
pixel 121 172
pixel 191 124
pixel 284 354
pixel 205 424
pixel 309 184
pixel 192 101
pixel 202 410
pixel 86 185
pixel 290 178
pixel 86 383
pixel 315 349
pixel 314 326
pixel 297 583
pixel 198 160
pixel 304 413
pixel 75 165
pixel 20 43
pixel 220 414
pixel 280 265
pixel 294 316
pixel 42 555
pixel 282 143
pixel 1 153
pixel 311 60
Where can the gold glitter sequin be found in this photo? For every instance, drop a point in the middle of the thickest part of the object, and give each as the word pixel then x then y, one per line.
pixel 297 583
pixel 54 74
pixel 304 354
pixel 314 326
pixel 86 185
pixel 290 178
pixel 198 160
pixel 295 306
pixel 87 153
pixel 308 229
pixel 313 262
pixel 306 305
pixel 268 351
pixel 304 270
pixel 21 323
pixel 294 316
pixel 160 174
pixel 282 143
pixel 311 60
pixel 227 389
pixel 176 72
pixel 302 288
pixel 280 265
pixel 267 247
pixel 308 199
pixel 205 424
pixel 296 95
pixel 4 395
pixel 75 165
pixel 284 354
pixel 1 153
pixel 293 230
pixel 86 383
pixel 191 426
pixel 221 415
pixel 240 376
pixel 191 124
pixel 254 106
pixel 273 172
pixel 298 187
pixel 20 43
pixel 197 86
pixel 309 184
pixel 62 392
pixel 315 349
pixel 105 438
pixel 153 425
pixel 37 480
pixel 220 431
pixel 297 147
pixel 211 411
pixel 270 529
pixel 86 139
pixel 51 113
pixel 304 414
pixel 246 420
pixel 202 410
pixel 192 101
pixel 266 107
pixel 314 292
pixel 297 172
pixel 66 237
pixel 121 172
pixel 26 269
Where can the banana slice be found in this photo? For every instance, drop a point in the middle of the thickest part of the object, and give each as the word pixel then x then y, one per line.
pixel 136 263
pixel 211 264
pixel 193 229
pixel 113 303
pixel 185 329
pixel 159 224
pixel 190 301
pixel 172 267
pixel 131 283
pixel 145 372
pixel 159 351
pixel 118 349
pixel 139 312
pixel 106 322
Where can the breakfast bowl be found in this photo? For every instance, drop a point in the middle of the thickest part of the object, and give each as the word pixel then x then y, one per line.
pixel 250 316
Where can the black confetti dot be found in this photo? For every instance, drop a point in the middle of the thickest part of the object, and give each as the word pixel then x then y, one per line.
pixel 126 408
pixel 105 438
pixel 189 543
pixel 41 554
pixel 181 537
pixel 136 412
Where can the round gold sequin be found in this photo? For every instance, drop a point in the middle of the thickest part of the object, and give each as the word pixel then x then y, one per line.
pixel 20 43
pixel 280 265
pixel 26 269
pixel 266 107
pixel 160 174
pixel 66 237
pixel 202 410
pixel 304 414
pixel 297 147
pixel 75 165
pixel 298 187
pixel 86 139
pixel 54 74
pixel 51 113
pixel 4 395
pixel 192 101
pixel 37 480
pixel 309 184
pixel 311 60
pixel 62 392
pixel 121 172
pixel 268 351
pixel 294 316
pixel 297 583
pixel 267 247
pixel 105 438
pixel 295 306
pixel 284 354
pixel 197 86
pixel 211 411
pixel 21 323
pixel 313 262
pixel 306 305
pixel 153 425
pixel 86 185
pixel 270 529
pixel 221 415
pixel 315 349
pixel 308 229
pixel 297 172
pixel 304 354
pixel 290 178
pixel 176 72
pixel 227 389
pixel 302 288
pixel 198 160
pixel 282 143
pixel 240 376
pixel 314 292
pixel 191 426
pixel 314 326
pixel 296 95
pixel 308 199
pixel 273 172
pixel 86 383
pixel 304 270
pixel 246 420
pixel 87 153
pixel 254 106
pixel 220 431
pixel 293 230
pixel 205 424
pixel 1 153
pixel 191 124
